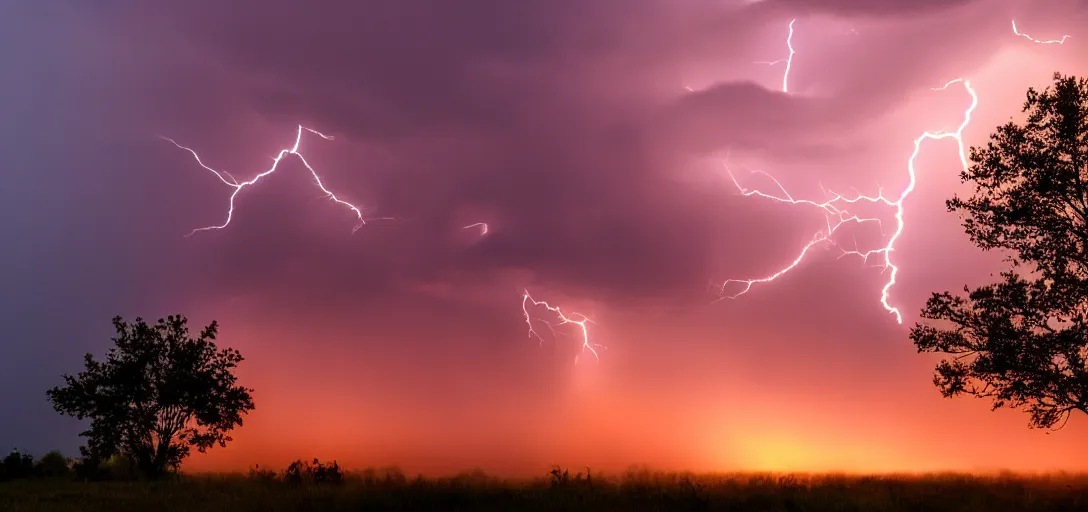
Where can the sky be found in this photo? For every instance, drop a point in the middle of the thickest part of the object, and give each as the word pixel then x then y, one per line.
pixel 599 140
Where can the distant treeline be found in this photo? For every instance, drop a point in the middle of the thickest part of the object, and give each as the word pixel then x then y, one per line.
pixel 19 464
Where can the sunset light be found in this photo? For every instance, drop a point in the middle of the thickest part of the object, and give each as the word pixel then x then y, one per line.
pixel 501 238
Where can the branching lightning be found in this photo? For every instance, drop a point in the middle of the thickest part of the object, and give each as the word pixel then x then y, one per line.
pixel 788 59
pixel 230 181
pixel 837 215
pixel 835 207
pixel 577 319
pixel 1038 41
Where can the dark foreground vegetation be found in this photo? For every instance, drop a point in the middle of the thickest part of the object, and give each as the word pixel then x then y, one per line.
pixel 313 487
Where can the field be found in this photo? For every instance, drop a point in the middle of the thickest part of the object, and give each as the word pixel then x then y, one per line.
pixel 635 490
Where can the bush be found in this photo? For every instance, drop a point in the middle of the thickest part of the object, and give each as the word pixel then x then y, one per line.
pixel 562 479
pixel 119 468
pixel 329 473
pixel 317 472
pixel 53 465
pixel 296 472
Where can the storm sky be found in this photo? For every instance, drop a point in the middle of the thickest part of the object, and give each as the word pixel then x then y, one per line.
pixel 593 137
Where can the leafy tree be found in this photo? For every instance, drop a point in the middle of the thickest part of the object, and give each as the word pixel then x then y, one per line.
pixel 1023 341
pixel 53 465
pixel 158 394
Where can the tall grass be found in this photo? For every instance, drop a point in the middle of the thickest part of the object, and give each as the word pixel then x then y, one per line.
pixel 637 489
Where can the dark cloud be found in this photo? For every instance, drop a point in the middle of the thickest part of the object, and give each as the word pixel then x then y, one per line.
pixel 873 8
pixel 575 148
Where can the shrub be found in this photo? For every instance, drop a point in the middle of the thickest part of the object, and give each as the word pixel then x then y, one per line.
pixel 317 472
pixel 119 468
pixel 296 472
pixel 327 473
pixel 53 465
pixel 561 478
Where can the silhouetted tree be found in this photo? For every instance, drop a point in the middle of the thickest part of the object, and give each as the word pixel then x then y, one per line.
pixel 1022 342
pixel 53 465
pixel 15 465
pixel 158 394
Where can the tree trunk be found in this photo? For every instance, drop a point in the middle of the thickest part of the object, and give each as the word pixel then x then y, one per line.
pixel 162 453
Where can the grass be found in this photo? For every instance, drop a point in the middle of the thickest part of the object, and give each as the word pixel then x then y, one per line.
pixel 635 490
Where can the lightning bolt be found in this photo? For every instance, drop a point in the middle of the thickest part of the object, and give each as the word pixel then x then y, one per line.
pixel 230 181
pixel 788 59
pixel 837 215
pixel 1038 41
pixel 578 319
pixel 481 225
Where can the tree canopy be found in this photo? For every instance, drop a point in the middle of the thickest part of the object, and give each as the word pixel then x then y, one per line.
pixel 158 394
pixel 1023 341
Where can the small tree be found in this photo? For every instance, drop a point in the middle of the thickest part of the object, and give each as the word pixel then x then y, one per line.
pixel 1023 342
pixel 53 465
pixel 158 394
pixel 16 465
